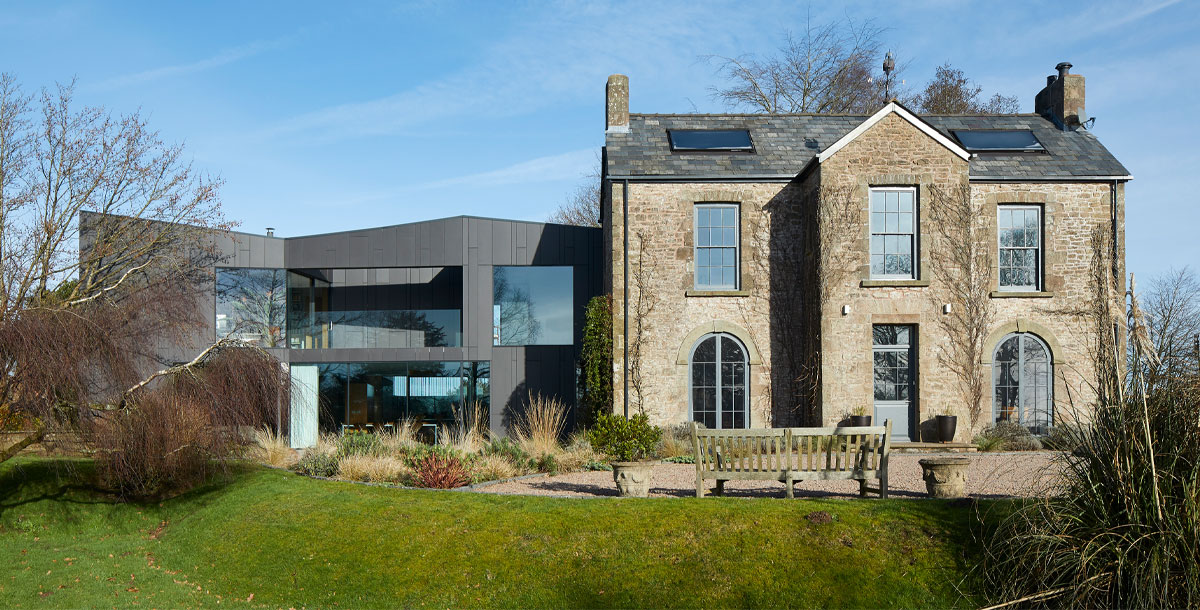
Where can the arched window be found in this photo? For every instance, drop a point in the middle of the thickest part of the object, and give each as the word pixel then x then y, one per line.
pixel 1022 377
pixel 718 381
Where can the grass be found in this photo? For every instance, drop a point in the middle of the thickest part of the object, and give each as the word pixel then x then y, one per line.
pixel 274 539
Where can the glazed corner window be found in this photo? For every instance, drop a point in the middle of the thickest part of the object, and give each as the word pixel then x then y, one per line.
pixel 1019 228
pixel 533 306
pixel 252 305
pixel 893 232
pixel 716 239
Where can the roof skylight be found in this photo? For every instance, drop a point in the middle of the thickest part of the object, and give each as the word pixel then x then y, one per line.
pixel 728 140
pixel 993 141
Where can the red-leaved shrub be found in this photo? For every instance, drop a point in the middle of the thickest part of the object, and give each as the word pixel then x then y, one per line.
pixel 441 472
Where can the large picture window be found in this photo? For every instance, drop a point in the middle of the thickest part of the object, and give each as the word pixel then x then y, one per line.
pixel 1019 229
pixel 252 305
pixel 716 239
pixel 893 232
pixel 1022 376
pixel 718 382
pixel 533 306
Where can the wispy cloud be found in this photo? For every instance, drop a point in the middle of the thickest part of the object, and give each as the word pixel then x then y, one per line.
pixel 1131 16
pixel 223 58
pixel 565 166
pixel 546 62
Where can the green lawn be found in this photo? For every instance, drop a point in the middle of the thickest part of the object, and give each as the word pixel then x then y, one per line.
pixel 273 539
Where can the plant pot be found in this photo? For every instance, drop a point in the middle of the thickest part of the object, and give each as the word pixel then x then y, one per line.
pixel 860 420
pixel 632 478
pixel 946 425
pixel 945 477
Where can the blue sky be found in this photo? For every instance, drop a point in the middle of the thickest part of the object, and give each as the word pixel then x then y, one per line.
pixel 328 116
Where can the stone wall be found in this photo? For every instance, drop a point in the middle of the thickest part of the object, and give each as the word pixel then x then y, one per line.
pixel 661 253
pixel 777 299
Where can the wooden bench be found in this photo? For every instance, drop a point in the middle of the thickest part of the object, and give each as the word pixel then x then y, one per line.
pixel 788 455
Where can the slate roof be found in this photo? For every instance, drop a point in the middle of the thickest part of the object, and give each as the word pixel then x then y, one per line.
pixel 783 143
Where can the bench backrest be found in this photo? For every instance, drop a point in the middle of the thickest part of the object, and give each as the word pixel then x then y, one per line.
pixel 741 450
pixel 775 450
pixel 841 448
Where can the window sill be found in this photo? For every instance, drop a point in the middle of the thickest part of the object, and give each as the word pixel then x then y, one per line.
pixel 1014 294
pixel 716 293
pixel 894 283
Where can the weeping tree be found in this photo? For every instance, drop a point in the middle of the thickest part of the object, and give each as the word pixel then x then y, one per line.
pixel 107 236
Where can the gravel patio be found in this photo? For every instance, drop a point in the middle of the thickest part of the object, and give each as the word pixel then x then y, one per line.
pixel 990 475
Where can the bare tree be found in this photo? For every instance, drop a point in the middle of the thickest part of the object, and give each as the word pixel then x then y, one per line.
pixel 582 206
pixel 962 258
pixel 951 92
pixel 831 68
pixel 1172 311
pixel 107 237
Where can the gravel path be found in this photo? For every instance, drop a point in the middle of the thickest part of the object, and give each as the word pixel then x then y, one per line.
pixel 991 475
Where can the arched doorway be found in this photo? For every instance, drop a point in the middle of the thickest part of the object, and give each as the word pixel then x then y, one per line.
pixel 1023 382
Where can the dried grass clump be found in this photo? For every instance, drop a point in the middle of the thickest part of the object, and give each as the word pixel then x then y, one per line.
pixel 469 431
pixel 272 448
pixel 676 441
pixel 538 429
pixel 493 467
pixel 372 469
pixel 402 439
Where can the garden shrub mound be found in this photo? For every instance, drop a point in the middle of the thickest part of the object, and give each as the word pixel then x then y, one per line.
pixel 282 540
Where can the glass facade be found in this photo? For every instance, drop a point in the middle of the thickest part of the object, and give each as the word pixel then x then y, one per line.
pixel 251 305
pixel 377 308
pixel 375 395
pixel 533 305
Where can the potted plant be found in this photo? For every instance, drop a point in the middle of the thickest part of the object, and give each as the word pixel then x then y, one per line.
pixel 946 425
pixel 859 417
pixel 631 443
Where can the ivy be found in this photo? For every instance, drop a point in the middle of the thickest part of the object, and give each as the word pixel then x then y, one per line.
pixel 595 361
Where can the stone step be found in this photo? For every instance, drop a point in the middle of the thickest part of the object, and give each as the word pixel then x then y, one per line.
pixel 921 447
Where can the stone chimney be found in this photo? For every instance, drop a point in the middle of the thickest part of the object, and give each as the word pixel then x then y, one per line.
pixel 1062 98
pixel 616 109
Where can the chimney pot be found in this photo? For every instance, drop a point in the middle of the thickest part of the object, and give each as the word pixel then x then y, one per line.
pixel 1063 97
pixel 616 109
pixel 270 231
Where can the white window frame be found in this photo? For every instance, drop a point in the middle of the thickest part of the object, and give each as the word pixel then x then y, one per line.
pixel 915 236
pixel 1039 264
pixel 737 245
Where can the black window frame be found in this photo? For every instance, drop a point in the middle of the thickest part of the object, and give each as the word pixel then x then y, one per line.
pixel 1037 148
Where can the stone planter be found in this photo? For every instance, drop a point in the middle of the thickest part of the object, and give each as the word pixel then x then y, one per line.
pixel 945 477
pixel 632 478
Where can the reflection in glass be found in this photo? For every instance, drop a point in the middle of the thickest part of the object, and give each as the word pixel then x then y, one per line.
pixel 396 308
pixel 251 305
pixel 719 400
pixel 533 306
pixel 380 394
pixel 1021 378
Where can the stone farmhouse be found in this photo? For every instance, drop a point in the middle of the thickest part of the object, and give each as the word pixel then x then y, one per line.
pixel 784 269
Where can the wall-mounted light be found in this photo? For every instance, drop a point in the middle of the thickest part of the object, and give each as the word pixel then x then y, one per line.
pixel 845 310
pixel 946 308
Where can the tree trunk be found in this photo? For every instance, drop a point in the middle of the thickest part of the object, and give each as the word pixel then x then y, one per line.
pixel 34 437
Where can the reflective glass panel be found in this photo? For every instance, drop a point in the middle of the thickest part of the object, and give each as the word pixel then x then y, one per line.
pixel 710 139
pixel 533 305
pixel 252 305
